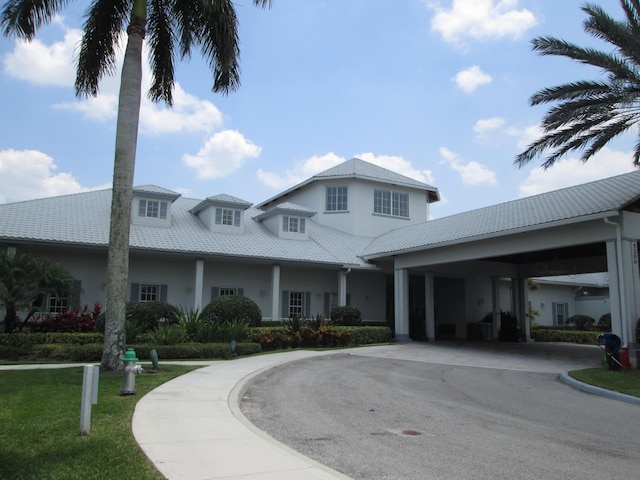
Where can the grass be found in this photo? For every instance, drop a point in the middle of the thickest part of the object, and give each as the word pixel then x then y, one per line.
pixel 40 420
pixel 627 382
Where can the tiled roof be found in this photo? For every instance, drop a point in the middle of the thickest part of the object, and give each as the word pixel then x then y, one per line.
pixel 157 191
pixel 83 220
pixel 566 204
pixel 356 168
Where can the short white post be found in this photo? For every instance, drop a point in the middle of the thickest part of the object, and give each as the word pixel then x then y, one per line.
pixel 90 376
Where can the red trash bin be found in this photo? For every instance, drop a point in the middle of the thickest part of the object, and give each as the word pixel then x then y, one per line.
pixel 624 358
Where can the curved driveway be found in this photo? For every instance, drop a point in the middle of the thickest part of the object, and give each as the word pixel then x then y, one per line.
pixel 459 411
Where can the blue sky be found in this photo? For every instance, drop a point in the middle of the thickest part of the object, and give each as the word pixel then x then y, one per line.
pixel 434 89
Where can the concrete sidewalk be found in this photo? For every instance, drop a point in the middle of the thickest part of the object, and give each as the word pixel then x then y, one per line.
pixel 191 427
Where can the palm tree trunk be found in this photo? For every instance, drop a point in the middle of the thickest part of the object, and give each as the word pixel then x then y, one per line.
pixel 123 169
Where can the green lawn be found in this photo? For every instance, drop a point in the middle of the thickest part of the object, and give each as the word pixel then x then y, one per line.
pixel 621 381
pixel 40 420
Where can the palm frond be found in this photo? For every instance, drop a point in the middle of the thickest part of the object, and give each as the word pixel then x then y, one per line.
pixel 219 41
pixel 105 20
pixel 161 50
pixel 570 91
pixel 24 17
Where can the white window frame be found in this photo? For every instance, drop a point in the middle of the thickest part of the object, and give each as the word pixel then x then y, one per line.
pixel 293 224
pixel 337 198
pixel 149 292
pixel 152 209
pixel 227 291
pixel 227 216
pixel 58 304
pixel 391 203
pixel 296 304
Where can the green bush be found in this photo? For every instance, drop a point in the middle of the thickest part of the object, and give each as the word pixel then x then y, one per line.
pixel 228 308
pixel 563 335
pixel 167 334
pixel 151 314
pixel 346 315
pixel 582 322
pixel 277 338
pixel 237 330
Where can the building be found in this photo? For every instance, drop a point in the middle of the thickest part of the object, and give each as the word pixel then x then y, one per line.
pixel 354 234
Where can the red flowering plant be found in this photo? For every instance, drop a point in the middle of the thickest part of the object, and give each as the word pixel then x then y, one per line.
pixel 78 321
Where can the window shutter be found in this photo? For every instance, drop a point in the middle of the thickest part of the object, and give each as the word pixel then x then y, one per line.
pixel 348 299
pixel 285 304
pixel 302 221
pixel 163 292
pixel 215 293
pixel 163 210
pixel 241 292
pixel 218 216
pixel 554 313
pixel 307 304
pixel 142 208
pixel 236 218
pixel 327 304
pixel 285 224
pixel 135 292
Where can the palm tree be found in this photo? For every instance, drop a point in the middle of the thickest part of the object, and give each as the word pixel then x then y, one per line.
pixel 590 113
pixel 168 25
pixel 25 281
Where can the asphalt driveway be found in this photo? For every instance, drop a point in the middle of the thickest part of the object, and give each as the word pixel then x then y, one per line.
pixel 449 411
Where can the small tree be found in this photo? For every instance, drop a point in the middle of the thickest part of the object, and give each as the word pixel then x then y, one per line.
pixel 25 281
pixel 230 308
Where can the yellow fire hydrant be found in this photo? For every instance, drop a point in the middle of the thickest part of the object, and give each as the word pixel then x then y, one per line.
pixel 131 369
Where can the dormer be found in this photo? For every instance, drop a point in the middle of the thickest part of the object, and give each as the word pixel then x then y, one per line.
pixel 151 206
pixel 222 213
pixel 287 220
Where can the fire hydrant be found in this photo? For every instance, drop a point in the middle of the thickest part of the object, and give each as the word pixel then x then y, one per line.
pixel 131 369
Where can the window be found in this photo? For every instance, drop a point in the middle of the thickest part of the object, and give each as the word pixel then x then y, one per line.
pixel 296 304
pixel 293 224
pixel 337 199
pixel 228 291
pixel 152 209
pixel 149 293
pixel 228 216
pixel 387 202
pixel 58 304
pixel 559 313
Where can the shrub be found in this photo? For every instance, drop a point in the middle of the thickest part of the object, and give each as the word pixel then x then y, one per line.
pixel 68 321
pixel 237 330
pixel 604 322
pixel 151 314
pixel 228 308
pixel 563 335
pixel 168 334
pixel 582 322
pixel 346 316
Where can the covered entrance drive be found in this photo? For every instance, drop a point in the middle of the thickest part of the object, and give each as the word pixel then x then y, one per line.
pixel 464 259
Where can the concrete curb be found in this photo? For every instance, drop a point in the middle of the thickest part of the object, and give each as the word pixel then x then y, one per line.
pixel 585 387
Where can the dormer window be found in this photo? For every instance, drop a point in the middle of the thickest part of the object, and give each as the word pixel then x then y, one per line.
pixel 152 209
pixel 228 216
pixel 293 224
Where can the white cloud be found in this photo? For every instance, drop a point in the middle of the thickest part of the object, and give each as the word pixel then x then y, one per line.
pixel 471 78
pixel 485 126
pixel 43 64
pixel 54 64
pixel 480 20
pixel 299 171
pixel 472 172
pixel 221 155
pixel 571 171
pixel 28 174
pixel 398 165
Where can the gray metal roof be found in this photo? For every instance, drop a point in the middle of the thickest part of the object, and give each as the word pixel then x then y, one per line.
pixel 567 204
pixel 83 220
pixel 356 168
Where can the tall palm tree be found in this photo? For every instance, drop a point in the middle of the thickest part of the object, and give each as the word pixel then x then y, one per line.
pixel 169 25
pixel 590 113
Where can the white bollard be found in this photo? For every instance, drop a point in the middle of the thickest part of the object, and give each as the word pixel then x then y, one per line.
pixel 90 377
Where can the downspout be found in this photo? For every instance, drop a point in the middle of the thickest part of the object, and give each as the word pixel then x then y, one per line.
pixel 621 291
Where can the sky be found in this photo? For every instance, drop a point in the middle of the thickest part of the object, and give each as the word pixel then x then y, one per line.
pixel 437 90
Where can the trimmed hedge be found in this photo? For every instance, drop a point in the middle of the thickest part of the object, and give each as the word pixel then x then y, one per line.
pixel 278 338
pixel 563 335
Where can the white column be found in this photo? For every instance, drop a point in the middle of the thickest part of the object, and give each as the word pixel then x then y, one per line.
pixel 615 291
pixel 520 293
pixel 631 283
pixel 401 303
pixel 495 305
pixel 199 284
pixel 429 306
pixel 342 287
pixel 275 292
